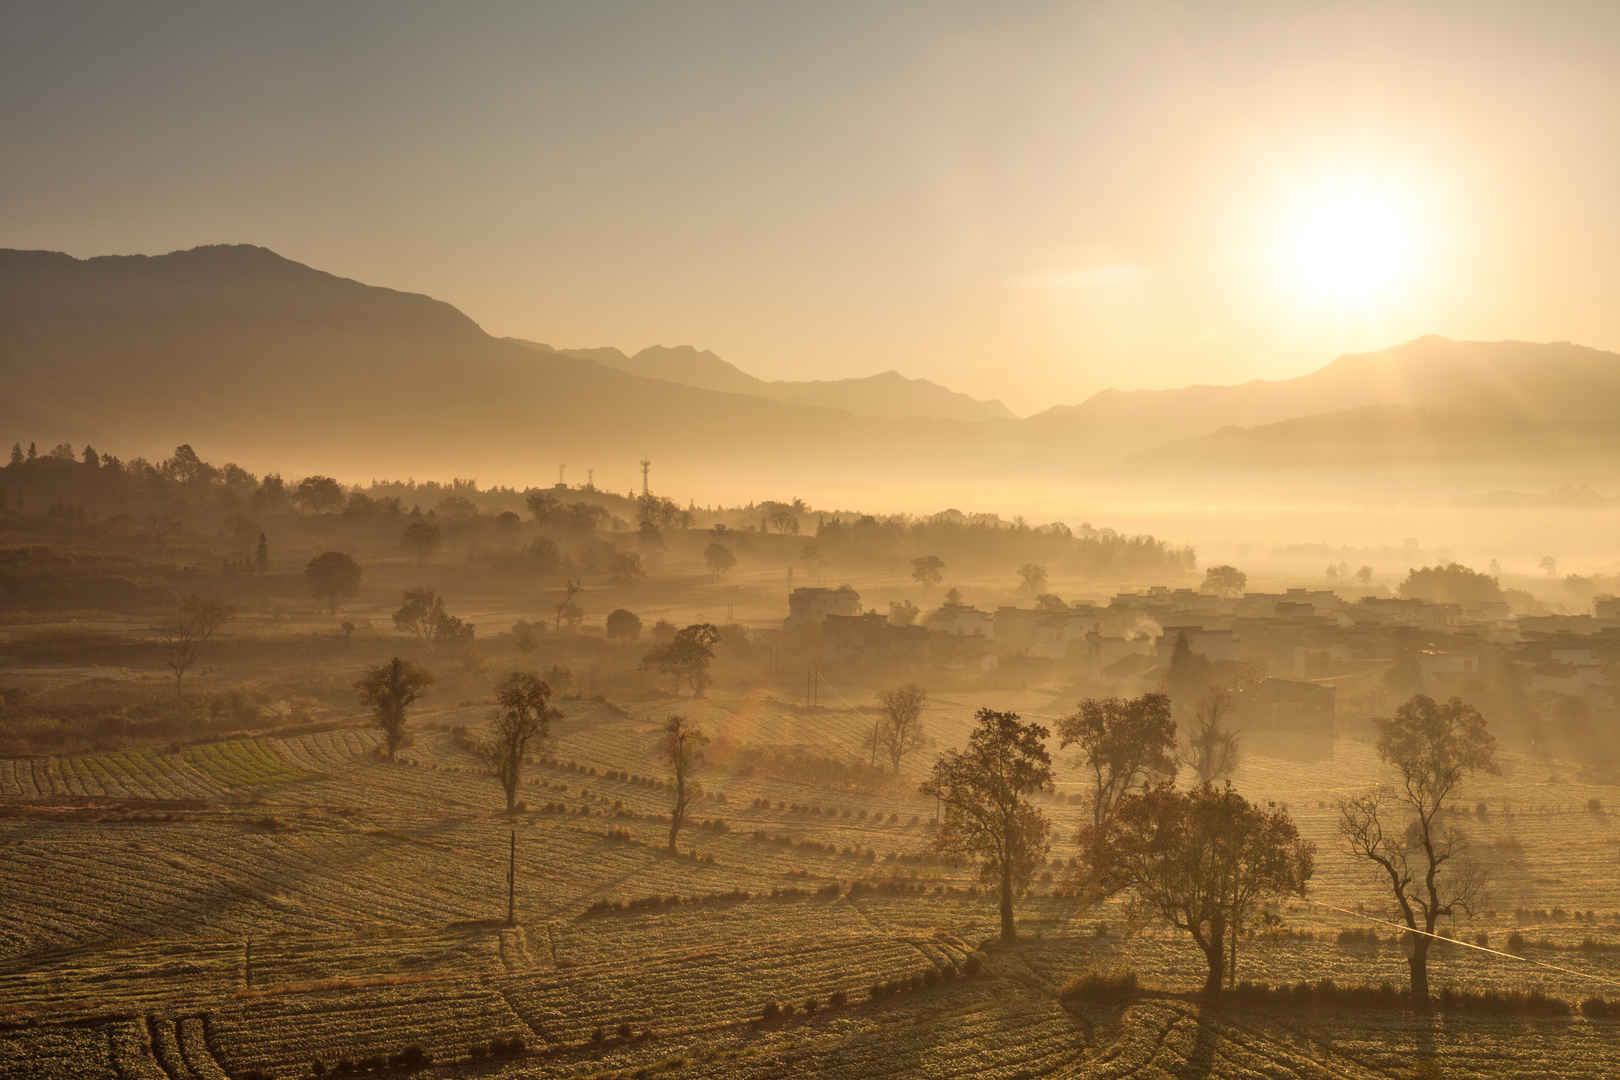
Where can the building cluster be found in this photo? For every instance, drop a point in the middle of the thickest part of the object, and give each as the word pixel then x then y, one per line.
pixel 1299 655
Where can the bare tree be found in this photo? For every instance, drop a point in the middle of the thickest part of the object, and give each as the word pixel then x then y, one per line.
pixel 389 689
pixel 523 716
pixel 683 748
pixel 1406 833
pixel 1126 744
pixel 984 791
pixel 1198 860
pixel 1212 747
pixel 900 730
pixel 567 609
pixel 185 635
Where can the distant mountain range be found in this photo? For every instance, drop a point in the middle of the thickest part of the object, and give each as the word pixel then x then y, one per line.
pixel 272 361
pixel 888 394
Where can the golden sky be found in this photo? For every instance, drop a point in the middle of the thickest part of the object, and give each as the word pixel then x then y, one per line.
pixel 1023 201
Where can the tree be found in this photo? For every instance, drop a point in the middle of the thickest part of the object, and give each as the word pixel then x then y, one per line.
pixel 318 494
pixel 928 571
pixel 333 577
pixel 1407 834
pixel 1212 747
pixel 90 457
pixel 899 730
pixel 261 555
pixel 423 613
pixel 1051 603
pixel 1199 860
pixel 16 453
pixel 388 690
pixel 523 716
pixel 526 635
pixel 682 747
pixel 1225 581
pixel 1549 565
pixel 719 559
pixel 902 612
pixel 1452 583
pixel 1125 743
pixel 567 610
pixel 1188 676
pixel 421 537
pixel 623 625
pixel 688 656
pixel 418 612
pixel 1364 576
pixel 984 791
pixel 1033 576
pixel 184 636
pixel 625 568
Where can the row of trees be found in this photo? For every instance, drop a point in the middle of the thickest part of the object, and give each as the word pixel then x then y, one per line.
pixel 521 724
pixel 1203 860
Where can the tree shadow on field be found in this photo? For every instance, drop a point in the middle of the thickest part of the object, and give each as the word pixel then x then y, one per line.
pixel 1200 1061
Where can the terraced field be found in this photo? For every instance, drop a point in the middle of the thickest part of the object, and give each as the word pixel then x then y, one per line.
pixel 264 902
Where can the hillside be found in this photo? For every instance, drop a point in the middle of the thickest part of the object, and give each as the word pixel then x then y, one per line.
pixel 289 367
pixel 243 352
pixel 1510 391
pixel 887 394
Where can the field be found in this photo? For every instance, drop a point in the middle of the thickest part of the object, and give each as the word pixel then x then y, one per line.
pixel 266 902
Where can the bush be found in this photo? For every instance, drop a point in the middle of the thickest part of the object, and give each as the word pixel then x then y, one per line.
pixel 1596 1008
pixel 1515 942
pixel 1096 986
pixel 811 1006
pixel 771 1013
pixel 624 1029
pixel 972 965
pixel 837 1000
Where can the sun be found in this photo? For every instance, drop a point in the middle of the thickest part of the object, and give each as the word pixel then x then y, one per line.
pixel 1346 250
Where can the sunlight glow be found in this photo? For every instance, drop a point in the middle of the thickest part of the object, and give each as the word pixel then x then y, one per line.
pixel 1346 251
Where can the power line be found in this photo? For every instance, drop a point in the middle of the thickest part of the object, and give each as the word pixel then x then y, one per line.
pixel 1466 944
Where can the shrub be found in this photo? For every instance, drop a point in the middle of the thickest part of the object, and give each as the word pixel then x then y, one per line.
pixel 1097 986
pixel 972 965
pixel 837 1000
pixel 772 1012
pixel 811 1006
pixel 624 1029
pixel 1596 1008
pixel 1515 942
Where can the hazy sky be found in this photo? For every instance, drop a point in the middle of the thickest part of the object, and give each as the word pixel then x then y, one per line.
pixel 1024 201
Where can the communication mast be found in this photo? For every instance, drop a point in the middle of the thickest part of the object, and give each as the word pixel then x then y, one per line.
pixel 646 467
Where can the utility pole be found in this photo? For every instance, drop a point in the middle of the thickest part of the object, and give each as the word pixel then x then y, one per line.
pixel 560 470
pixel 511 883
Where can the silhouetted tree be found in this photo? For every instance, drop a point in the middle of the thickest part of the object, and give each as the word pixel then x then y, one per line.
pixel 261 555
pixel 625 568
pixel 682 747
pixel 623 625
pixel 1225 581
pixel 568 610
pixel 388 690
pixel 421 537
pixel 1408 834
pixel 16 453
pixel 523 717
pixel 1453 583
pixel 984 791
pixel 333 577
pixel 525 635
pixel 1126 744
pixel 1199 860
pixel 1049 602
pixel 1364 575
pixel 928 570
pixel 900 730
pixel 1033 577
pixel 318 494
pixel 1212 746
pixel 184 635
pixel 902 612
pixel 719 559
pixel 688 656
